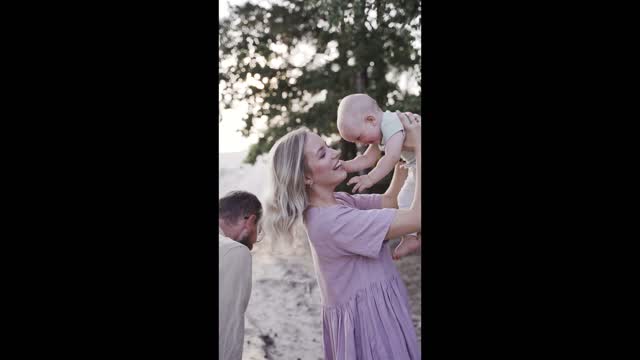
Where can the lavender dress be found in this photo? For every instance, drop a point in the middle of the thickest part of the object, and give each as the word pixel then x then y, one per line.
pixel 365 307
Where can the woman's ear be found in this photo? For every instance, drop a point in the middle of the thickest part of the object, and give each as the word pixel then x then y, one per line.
pixel 307 180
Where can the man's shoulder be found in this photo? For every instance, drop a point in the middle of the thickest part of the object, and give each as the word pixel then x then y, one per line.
pixel 227 245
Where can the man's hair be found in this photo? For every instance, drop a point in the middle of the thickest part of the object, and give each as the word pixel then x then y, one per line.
pixel 239 204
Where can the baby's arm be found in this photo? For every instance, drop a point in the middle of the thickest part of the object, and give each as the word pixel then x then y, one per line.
pixel 364 161
pixel 392 151
pixel 385 165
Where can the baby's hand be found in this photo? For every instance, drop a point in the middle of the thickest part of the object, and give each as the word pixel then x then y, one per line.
pixel 346 165
pixel 362 183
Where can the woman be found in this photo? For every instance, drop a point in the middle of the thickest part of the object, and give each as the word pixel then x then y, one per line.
pixel 365 307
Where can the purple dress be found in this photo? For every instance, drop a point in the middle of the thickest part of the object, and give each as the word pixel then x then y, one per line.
pixel 365 307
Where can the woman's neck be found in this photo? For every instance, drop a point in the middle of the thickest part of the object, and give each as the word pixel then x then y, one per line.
pixel 322 197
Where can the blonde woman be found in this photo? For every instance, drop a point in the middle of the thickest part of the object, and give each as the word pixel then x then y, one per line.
pixel 365 307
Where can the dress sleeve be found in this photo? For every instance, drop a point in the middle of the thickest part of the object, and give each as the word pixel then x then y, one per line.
pixel 361 201
pixel 361 232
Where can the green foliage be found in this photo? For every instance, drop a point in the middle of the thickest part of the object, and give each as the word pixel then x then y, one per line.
pixel 356 44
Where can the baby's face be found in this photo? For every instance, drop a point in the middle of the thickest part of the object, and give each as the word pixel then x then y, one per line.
pixel 362 132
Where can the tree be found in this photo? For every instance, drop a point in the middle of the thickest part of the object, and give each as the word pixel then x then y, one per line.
pixel 353 46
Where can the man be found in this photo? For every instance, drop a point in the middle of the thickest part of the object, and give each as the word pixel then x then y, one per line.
pixel 238 219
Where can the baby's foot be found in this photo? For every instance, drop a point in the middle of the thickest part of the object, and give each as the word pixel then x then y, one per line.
pixel 408 244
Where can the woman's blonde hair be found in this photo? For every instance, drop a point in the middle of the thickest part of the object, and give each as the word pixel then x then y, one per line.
pixel 286 196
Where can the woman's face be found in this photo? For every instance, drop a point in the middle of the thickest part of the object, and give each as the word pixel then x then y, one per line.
pixel 323 162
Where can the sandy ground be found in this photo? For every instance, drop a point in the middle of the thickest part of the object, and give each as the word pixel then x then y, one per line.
pixel 283 317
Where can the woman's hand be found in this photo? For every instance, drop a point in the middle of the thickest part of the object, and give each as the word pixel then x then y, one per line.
pixel 412 128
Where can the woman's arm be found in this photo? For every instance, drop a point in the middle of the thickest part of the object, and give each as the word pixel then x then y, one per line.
pixel 390 197
pixel 409 220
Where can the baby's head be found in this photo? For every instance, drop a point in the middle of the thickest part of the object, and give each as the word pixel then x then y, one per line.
pixel 359 119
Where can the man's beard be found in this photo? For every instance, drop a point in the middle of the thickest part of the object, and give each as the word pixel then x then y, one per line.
pixel 246 242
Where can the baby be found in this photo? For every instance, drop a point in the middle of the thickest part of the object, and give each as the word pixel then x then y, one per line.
pixel 360 120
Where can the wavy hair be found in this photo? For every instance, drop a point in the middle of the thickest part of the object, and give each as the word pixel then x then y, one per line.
pixel 286 196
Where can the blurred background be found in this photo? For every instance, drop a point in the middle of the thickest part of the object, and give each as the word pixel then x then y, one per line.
pixel 285 64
